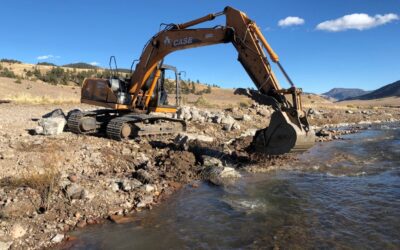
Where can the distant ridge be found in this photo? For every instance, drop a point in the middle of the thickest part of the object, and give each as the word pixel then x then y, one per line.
pixel 80 65
pixel 344 93
pixel 390 90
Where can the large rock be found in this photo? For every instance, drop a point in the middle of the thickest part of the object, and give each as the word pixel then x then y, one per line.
pixel 263 111
pixel 74 191
pixel 222 175
pixel 5 245
pixel 323 133
pixel 184 113
pixel 227 120
pixel 249 132
pixel 246 118
pixel 128 185
pixel 209 161
pixel 229 123
pixel 143 176
pixel 17 231
pixel 145 201
pixel 183 139
pixel 55 113
pixel 57 238
pixel 51 126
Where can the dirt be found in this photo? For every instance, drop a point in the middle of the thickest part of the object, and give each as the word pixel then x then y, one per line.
pixel 50 185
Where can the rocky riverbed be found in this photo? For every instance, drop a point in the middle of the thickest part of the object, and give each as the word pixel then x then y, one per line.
pixel 53 181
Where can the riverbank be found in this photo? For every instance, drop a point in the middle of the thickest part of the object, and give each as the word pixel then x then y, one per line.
pixel 329 194
pixel 50 185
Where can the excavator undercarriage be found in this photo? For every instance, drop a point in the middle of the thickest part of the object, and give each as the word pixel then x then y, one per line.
pixel 119 126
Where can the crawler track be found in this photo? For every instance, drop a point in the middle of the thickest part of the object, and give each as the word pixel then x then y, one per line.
pixel 144 125
pixel 119 126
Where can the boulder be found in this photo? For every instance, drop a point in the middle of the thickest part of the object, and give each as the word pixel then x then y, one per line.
pixel 128 185
pixel 184 113
pixel 236 126
pixel 120 219
pixel 223 175
pixel 209 161
pixel 114 186
pixel 5 245
pixel 55 113
pixel 143 176
pixel 148 188
pixel 196 116
pixel 263 111
pixel 74 191
pixel 227 120
pixel 183 139
pixel 136 183
pixel 145 201
pixel 17 231
pixel 51 126
pixel 323 133
pixel 249 132
pixel 217 118
pixel 228 127
pixel 246 118
pixel 349 111
pixel 57 238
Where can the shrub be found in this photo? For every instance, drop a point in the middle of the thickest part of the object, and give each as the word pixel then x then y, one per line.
pixel 10 61
pixel 193 88
pixel 5 72
pixel 244 104
pixel 203 102
pixel 46 64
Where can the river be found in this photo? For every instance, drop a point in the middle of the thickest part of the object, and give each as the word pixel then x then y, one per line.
pixel 346 194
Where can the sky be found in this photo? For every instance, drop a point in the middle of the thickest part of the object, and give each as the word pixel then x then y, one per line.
pixel 321 44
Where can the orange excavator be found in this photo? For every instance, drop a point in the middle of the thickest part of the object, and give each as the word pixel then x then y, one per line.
pixel 130 101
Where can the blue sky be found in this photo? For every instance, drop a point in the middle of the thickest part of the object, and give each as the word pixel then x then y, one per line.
pixel 325 44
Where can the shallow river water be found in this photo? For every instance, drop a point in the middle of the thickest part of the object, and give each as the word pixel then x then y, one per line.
pixel 346 195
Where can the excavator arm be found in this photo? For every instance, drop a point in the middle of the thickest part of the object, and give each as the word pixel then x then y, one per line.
pixel 288 129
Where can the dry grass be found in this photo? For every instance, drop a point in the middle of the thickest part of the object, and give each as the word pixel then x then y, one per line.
pixel 203 102
pixel 44 183
pixel 30 99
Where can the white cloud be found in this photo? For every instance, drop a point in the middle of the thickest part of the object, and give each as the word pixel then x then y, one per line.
pixel 44 57
pixel 291 21
pixel 94 63
pixel 358 21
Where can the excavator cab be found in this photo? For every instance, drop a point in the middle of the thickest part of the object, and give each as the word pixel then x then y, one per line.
pixel 163 84
pixel 167 96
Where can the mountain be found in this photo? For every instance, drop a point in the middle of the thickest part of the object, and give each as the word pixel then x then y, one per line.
pixel 344 93
pixel 390 90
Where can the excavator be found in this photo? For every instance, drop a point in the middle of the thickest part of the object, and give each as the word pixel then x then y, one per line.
pixel 131 102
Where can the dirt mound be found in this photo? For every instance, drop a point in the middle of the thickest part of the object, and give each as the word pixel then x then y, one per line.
pixel 177 166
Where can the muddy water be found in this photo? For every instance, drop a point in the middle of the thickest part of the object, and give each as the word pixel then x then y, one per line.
pixel 346 195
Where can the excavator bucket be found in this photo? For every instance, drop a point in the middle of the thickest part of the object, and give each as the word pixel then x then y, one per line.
pixel 283 136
